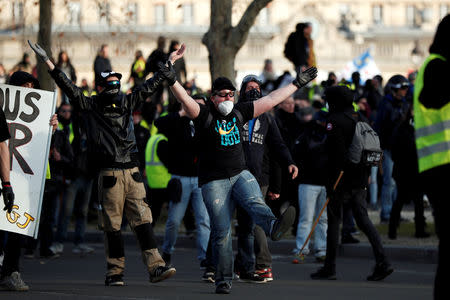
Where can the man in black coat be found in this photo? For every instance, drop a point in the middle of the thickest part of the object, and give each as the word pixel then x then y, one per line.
pixel 341 124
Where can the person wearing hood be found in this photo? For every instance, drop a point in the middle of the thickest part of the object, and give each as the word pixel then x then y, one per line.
pixel 431 123
pixel 392 111
pixel 254 261
pixel 112 146
pixel 341 124
pixel 223 175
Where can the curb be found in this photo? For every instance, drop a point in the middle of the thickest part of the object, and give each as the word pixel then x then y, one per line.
pixel 426 254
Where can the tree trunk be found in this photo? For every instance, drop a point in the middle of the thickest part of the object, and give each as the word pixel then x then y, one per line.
pixel 45 41
pixel 223 40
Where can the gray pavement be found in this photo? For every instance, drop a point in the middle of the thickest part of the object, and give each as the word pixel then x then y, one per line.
pixel 75 277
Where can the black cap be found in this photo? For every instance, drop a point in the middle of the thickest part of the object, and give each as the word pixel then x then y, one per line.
pixel 108 73
pixel 222 83
pixel 19 78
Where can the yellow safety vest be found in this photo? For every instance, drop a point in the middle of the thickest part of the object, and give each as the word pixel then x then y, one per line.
pixel 432 127
pixel 139 65
pixel 157 174
pixel 71 135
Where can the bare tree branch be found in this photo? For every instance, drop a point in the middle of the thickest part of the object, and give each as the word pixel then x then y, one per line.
pixel 240 32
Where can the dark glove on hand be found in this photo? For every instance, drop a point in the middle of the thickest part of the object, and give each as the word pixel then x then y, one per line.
pixel 8 197
pixel 39 51
pixel 304 77
pixel 174 190
pixel 168 72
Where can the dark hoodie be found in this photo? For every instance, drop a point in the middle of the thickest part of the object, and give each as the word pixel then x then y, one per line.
pixel 341 123
pixel 435 93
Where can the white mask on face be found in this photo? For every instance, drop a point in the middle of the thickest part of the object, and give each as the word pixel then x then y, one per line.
pixel 225 107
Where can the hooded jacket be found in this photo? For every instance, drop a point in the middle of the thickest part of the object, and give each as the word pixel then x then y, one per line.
pixel 435 93
pixel 341 123
pixel 111 139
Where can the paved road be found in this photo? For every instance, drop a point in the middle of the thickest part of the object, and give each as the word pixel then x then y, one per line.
pixel 73 277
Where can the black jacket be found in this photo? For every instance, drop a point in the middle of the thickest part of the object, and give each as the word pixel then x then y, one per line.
pixel 341 124
pixel 110 126
pixel 265 132
pixel 310 154
pixel 181 146
pixel 391 112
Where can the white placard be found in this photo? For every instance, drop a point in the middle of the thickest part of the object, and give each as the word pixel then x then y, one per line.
pixel 28 113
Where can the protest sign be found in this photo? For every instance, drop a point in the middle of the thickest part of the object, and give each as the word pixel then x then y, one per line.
pixel 28 113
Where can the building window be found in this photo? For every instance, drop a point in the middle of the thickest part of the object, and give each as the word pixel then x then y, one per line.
pixel 443 10
pixel 132 13
pixel 74 8
pixel 377 14
pixel 264 17
pixel 188 14
pixel 104 13
pixel 410 15
pixel 17 12
pixel 160 14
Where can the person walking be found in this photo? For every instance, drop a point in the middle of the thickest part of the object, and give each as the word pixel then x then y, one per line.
pixel 341 124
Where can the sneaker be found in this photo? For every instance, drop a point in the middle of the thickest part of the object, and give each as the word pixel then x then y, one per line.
pixel 422 234
pixel 349 239
pixel 203 264
pixel 282 224
pixel 223 288
pixel 49 254
pixel 321 258
pixel 265 273
pixel 251 278
pixel 29 254
pixel 323 273
pixel 167 258
pixel 114 280
pixel 13 282
pixel 57 248
pixel 380 272
pixel 162 273
pixel 82 249
pixel 208 275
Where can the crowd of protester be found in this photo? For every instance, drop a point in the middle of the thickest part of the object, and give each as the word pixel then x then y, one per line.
pixel 296 133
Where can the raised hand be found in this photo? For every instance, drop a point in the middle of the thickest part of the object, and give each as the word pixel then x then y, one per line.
pixel 177 54
pixel 168 72
pixel 304 77
pixel 39 51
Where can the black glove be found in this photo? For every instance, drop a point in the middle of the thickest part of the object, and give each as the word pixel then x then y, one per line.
pixel 39 51
pixel 304 77
pixel 168 72
pixel 8 196
pixel 174 190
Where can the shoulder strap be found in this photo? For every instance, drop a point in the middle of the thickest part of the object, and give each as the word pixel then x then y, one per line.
pixel 208 120
pixel 239 115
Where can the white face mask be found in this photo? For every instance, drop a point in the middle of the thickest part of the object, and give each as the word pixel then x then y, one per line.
pixel 225 107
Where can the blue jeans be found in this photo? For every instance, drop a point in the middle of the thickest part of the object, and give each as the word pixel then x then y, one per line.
pixel 311 199
pixel 373 186
pixel 218 194
pixel 388 190
pixel 80 186
pixel 190 192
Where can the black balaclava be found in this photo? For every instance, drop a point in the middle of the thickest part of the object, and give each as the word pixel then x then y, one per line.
pixel 251 95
